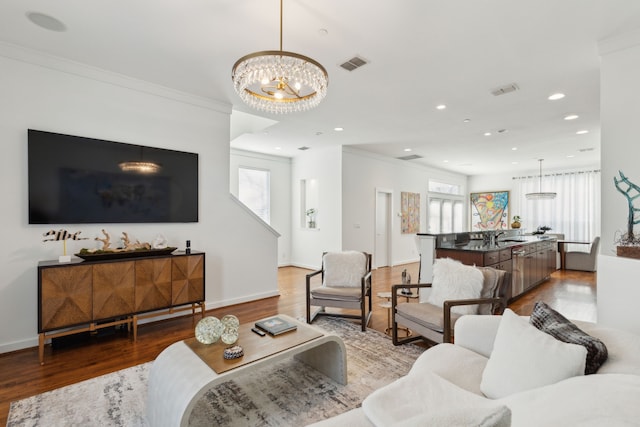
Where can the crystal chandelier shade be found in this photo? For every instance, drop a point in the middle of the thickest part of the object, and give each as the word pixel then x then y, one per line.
pixel 540 195
pixel 279 82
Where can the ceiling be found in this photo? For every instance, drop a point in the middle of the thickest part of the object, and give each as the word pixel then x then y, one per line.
pixel 420 53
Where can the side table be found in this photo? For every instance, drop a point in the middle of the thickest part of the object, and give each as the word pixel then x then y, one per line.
pixel 387 304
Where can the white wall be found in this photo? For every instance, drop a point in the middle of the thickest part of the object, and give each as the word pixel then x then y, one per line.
pixel 619 110
pixel 307 245
pixel 46 93
pixel 363 173
pixel 280 180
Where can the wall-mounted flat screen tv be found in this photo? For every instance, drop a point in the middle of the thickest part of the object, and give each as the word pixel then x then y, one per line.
pixel 77 180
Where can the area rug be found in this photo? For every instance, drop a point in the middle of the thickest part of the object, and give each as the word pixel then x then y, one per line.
pixel 288 393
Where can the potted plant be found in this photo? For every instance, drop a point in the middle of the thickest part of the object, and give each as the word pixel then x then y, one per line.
pixel 311 214
pixel 542 229
pixel 516 222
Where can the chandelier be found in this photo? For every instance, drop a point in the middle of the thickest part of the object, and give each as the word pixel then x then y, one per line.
pixel 540 194
pixel 279 82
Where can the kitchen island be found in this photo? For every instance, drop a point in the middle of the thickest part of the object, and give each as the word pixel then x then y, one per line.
pixel 528 260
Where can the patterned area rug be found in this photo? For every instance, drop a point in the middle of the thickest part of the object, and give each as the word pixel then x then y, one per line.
pixel 289 393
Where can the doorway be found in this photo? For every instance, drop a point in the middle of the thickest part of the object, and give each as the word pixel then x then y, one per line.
pixel 382 256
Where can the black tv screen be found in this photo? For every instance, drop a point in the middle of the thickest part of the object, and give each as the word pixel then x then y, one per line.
pixel 77 180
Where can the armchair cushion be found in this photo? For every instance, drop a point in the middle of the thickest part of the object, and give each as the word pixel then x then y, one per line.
pixel 426 314
pixel 555 324
pixel 453 280
pixel 344 269
pixel 337 293
pixel 490 288
pixel 525 358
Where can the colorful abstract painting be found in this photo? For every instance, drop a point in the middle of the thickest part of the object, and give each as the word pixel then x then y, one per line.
pixel 410 210
pixel 489 210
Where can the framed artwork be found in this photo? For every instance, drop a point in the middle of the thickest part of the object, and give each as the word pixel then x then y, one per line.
pixel 410 211
pixel 489 210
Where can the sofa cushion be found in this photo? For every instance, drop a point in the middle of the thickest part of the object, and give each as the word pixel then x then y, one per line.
pixel 453 280
pixel 525 358
pixel 425 314
pixel 455 364
pixel 344 268
pixel 429 400
pixel 588 400
pixel 555 324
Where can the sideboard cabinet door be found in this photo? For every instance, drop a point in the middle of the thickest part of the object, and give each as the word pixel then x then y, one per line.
pixel 187 281
pixel 65 297
pixel 153 284
pixel 113 289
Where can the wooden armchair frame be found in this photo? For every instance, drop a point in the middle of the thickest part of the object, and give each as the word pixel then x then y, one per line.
pixel 365 291
pixel 498 306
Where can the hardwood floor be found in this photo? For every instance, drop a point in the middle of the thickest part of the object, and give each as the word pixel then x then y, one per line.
pixel 572 293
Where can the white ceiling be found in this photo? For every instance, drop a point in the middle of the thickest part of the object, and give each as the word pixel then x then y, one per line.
pixel 422 53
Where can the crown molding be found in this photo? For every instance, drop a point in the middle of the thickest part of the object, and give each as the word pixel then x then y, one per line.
pixel 43 59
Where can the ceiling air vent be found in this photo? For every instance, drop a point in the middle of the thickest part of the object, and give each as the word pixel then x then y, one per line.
pixel 409 157
pixel 505 89
pixel 353 63
pixel 303 148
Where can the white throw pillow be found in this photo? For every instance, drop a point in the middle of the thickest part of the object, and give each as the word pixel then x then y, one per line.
pixel 525 358
pixel 452 280
pixel 344 269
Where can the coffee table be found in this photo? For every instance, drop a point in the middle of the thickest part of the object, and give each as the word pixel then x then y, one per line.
pixel 186 370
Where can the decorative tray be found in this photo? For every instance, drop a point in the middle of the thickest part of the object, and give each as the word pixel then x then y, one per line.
pixel 102 255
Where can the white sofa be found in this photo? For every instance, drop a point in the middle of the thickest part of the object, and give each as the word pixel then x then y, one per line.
pixel 610 397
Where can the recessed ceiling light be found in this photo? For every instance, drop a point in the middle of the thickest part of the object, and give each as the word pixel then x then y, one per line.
pixel 514 163
pixel 407 149
pixel 338 129
pixel 514 149
pixel 441 107
pixel 487 134
pixel 556 96
pixel 445 161
pixel 570 156
pixel 571 117
pixel 45 21
pixel 466 120
pixel 582 132
pixel 278 148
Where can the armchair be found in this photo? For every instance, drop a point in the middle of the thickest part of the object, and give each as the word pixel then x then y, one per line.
pixel 585 261
pixel 436 323
pixel 346 283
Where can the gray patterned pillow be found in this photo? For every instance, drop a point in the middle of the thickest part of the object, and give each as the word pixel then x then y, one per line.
pixel 555 324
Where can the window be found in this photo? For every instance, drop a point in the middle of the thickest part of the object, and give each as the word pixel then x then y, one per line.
pixel 254 190
pixel 445 215
pixel 445 210
pixel 444 188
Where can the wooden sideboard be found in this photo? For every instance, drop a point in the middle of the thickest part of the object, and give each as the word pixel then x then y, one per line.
pixel 83 296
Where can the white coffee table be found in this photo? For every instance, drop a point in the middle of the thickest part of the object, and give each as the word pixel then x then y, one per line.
pixel 179 377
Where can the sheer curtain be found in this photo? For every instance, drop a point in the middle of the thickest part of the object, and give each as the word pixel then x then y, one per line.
pixel 575 211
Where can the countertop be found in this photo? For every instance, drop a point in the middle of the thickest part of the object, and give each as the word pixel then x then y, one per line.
pixel 509 242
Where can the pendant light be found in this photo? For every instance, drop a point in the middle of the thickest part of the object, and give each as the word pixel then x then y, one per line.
pixel 277 81
pixel 540 195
